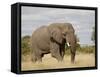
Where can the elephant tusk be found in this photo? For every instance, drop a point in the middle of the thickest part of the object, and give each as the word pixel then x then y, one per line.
pixel 68 44
pixel 78 42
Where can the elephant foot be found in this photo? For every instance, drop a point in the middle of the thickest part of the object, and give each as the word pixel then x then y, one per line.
pixel 59 58
pixel 60 61
pixel 72 61
pixel 39 60
pixel 33 60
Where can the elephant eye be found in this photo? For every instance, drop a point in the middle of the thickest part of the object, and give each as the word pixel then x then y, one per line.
pixel 64 34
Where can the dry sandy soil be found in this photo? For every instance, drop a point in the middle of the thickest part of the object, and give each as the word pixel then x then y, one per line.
pixel 82 60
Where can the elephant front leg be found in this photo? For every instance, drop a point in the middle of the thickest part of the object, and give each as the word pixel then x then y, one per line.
pixel 62 50
pixel 55 51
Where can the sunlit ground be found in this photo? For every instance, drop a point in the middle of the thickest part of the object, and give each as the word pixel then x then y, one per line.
pixel 82 60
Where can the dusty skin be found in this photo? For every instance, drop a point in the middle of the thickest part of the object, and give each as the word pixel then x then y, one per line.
pixel 82 60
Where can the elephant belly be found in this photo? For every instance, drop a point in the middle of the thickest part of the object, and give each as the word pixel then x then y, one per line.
pixel 44 46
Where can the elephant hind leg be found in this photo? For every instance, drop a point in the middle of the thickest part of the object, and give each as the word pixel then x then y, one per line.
pixel 39 58
pixel 39 55
pixel 55 52
pixel 33 59
pixel 36 57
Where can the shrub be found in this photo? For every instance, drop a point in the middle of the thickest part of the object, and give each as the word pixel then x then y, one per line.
pixel 87 49
pixel 84 49
pixel 25 45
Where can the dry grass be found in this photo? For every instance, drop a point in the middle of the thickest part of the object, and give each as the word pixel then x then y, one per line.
pixel 82 60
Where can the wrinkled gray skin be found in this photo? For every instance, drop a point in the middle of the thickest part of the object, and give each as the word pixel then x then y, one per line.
pixel 52 39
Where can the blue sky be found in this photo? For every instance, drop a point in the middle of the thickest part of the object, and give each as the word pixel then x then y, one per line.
pixel 82 20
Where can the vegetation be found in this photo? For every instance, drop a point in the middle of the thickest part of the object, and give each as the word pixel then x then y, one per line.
pixel 25 46
pixel 93 35
pixel 82 49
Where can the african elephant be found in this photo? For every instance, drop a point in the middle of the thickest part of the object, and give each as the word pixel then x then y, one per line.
pixel 52 39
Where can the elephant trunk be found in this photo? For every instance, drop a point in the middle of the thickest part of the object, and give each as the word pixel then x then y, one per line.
pixel 72 42
pixel 73 52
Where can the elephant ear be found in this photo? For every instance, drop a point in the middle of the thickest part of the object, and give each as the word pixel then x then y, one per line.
pixel 55 34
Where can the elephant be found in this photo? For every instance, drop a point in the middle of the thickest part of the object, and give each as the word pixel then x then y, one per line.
pixel 52 39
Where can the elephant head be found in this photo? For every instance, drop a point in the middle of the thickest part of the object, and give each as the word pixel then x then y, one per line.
pixel 69 34
pixel 64 31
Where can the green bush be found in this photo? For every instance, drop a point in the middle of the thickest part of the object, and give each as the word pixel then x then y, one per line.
pixel 25 45
pixel 87 49
pixel 84 49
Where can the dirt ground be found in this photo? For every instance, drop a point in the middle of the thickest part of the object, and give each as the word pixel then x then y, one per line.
pixel 82 60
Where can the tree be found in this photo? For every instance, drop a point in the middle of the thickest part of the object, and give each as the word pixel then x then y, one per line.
pixel 93 35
